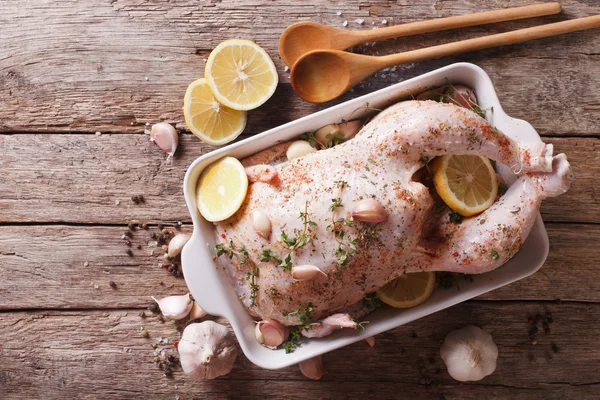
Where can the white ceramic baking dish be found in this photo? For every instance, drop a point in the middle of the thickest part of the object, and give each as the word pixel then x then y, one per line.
pixel 213 292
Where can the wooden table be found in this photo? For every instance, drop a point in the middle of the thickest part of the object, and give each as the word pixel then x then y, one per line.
pixel 71 69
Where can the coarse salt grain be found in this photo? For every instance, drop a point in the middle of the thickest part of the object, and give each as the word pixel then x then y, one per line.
pixel 146 78
pixel 384 22
pixel 359 21
pixel 98 133
pixel 95 286
pixel 338 13
pixel 85 264
pixel 345 23
pixel 286 68
pixel 117 202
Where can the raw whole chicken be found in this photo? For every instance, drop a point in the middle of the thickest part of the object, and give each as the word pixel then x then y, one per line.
pixel 309 200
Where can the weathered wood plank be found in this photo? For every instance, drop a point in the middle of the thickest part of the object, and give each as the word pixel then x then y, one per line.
pixel 87 69
pixel 85 355
pixel 45 267
pixel 79 177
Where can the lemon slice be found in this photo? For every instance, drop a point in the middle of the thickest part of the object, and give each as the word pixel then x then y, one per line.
pixel 409 290
pixel 241 74
pixel 210 121
pixel 221 189
pixel 467 184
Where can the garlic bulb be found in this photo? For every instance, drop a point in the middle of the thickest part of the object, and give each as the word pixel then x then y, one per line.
pixel 299 148
pixel 306 272
pixel 176 244
pixel 175 307
pixel 166 137
pixel 469 353
pixel 322 133
pixel 271 333
pixel 197 312
pixel 350 128
pixel 207 350
pixel 369 210
pixel 261 224
pixel 313 368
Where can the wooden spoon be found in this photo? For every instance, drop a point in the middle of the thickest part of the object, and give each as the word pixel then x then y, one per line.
pixel 302 37
pixel 323 75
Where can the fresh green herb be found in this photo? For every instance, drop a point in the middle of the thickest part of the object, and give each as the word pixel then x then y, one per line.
pixel 371 300
pixel 310 138
pixel 493 162
pixel 268 255
pixel 502 188
pixel 495 131
pixel 305 236
pixel 333 139
pixel 230 249
pixel 455 218
pixel 293 342
pixel 251 278
pixel 495 255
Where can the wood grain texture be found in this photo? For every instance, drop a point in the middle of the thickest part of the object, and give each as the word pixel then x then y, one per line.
pixel 112 66
pixel 77 178
pixel 86 355
pixel 45 267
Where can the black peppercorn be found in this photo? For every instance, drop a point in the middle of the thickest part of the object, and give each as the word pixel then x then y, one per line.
pixel 129 253
pixel 112 284
pixel 139 246
pixel 160 226
pixel 128 242
pixel 153 235
pixel 135 199
pixel 131 227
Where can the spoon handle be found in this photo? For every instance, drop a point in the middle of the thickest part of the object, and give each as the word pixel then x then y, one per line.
pixel 501 39
pixel 440 24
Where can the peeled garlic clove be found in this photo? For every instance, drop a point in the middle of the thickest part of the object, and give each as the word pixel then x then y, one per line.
pixel 197 312
pixel 206 350
pixel 322 133
pixel 299 148
pixel 166 137
pixel 261 224
pixel 369 210
pixel 371 341
pixel 175 307
pixel 313 368
pixel 271 333
pixel 350 128
pixel 176 244
pixel 306 272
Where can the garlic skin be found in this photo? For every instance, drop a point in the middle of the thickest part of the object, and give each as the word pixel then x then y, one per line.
pixel 371 341
pixel 322 133
pixel 166 137
pixel 470 354
pixel 369 210
pixel 206 350
pixel 306 272
pixel 175 307
pixel 271 333
pixel 176 244
pixel 299 148
pixel 197 312
pixel 313 368
pixel 350 128
pixel 261 224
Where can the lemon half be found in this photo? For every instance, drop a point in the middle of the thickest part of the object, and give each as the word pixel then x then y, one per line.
pixel 209 120
pixel 466 183
pixel 241 74
pixel 221 190
pixel 409 290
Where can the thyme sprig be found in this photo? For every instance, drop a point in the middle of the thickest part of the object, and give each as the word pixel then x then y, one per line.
pixel 449 91
pixel 304 314
pixel 347 249
pixel 230 249
pixel 251 278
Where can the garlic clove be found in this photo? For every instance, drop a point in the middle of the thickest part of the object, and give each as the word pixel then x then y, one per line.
pixel 166 137
pixel 176 244
pixel 197 312
pixel 299 148
pixel 350 128
pixel 261 224
pixel 306 272
pixel 207 350
pixel 175 307
pixel 470 354
pixel 313 368
pixel 271 333
pixel 371 341
pixel 322 133
pixel 369 210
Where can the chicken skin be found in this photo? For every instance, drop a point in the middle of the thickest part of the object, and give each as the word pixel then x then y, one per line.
pixel 309 202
